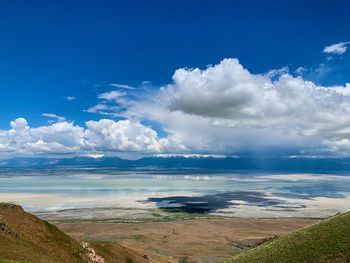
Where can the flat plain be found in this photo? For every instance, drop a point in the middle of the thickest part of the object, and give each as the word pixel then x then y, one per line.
pixel 200 240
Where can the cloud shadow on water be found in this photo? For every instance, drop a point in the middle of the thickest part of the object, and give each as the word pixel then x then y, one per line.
pixel 213 202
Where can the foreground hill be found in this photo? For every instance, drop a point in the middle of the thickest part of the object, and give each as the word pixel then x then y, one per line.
pixel 326 242
pixel 26 238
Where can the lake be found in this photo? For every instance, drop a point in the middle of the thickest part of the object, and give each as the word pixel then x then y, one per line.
pixel 111 194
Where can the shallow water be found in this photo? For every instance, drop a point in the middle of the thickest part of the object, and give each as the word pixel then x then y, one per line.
pixel 108 193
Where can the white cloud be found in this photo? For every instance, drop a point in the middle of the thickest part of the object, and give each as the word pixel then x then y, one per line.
pixel 98 108
pixel 278 72
pixel 339 48
pixel 70 98
pixel 300 70
pixel 64 133
pixel 111 103
pixel 104 109
pixel 41 146
pixel 344 90
pixel 223 109
pixel 227 109
pixel 53 116
pixel 231 96
pixel 111 95
pixel 62 137
pixel 19 124
pixel 123 135
pixel 122 86
pixel 66 138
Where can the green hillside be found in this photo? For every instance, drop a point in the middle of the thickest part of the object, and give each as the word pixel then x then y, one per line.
pixel 328 241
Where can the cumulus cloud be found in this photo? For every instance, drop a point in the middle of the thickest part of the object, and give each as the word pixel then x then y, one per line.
pixel 104 135
pixel 225 108
pixel 21 139
pixel 231 96
pixel 19 124
pixel 64 133
pixel 338 48
pixel 123 135
pixel 222 109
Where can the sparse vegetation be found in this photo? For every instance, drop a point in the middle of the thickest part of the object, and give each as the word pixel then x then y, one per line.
pixel 138 237
pixel 24 238
pixel 326 242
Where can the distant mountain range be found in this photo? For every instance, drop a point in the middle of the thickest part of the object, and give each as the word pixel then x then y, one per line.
pixel 196 163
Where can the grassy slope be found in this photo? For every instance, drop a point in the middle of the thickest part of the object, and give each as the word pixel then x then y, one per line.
pixel 328 241
pixel 25 238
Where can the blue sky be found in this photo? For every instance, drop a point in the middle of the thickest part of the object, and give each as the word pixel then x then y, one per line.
pixel 51 50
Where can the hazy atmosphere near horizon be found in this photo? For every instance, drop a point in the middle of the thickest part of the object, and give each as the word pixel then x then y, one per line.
pixel 181 117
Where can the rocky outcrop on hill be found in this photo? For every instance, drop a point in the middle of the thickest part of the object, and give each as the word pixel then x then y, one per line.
pixel 92 256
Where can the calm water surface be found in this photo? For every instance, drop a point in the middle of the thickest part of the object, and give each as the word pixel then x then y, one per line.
pixel 109 192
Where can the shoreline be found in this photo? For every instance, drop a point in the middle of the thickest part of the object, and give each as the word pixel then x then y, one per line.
pixel 140 216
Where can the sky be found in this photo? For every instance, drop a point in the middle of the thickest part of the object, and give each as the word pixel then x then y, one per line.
pixel 138 78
